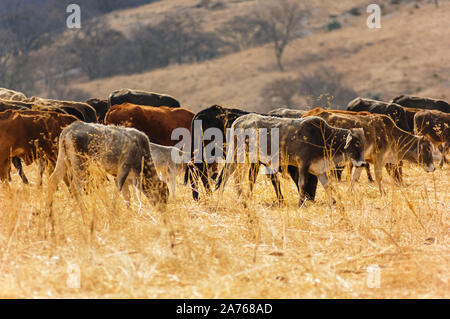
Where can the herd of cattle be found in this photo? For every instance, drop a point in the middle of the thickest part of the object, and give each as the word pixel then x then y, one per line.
pixel 129 135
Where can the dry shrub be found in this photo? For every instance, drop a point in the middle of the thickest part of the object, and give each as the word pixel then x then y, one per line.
pixel 326 88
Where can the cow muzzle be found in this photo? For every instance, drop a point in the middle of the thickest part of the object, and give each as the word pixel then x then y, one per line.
pixel 429 168
pixel 359 163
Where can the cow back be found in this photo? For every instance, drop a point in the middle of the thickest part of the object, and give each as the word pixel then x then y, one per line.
pixel 157 123
pixel 141 98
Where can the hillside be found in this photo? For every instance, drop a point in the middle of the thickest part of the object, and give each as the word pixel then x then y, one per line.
pixel 401 57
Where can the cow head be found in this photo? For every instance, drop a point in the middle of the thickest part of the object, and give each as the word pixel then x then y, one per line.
pixel 354 146
pixel 425 154
pixel 156 191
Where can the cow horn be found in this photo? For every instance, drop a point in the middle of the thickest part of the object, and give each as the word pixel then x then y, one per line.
pixel 347 141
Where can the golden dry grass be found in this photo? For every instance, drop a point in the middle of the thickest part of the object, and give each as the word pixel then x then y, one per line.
pixel 218 249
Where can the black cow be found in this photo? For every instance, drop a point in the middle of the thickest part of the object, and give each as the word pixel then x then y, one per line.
pixel 100 106
pixel 222 118
pixel 393 110
pixel 141 98
pixel 422 103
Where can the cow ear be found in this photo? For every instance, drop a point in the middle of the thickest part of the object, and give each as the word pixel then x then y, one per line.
pixel 358 131
pixel 347 141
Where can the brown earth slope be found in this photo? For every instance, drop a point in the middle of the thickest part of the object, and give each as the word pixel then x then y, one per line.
pixel 409 54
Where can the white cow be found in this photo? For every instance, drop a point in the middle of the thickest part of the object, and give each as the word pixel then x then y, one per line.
pixel 166 164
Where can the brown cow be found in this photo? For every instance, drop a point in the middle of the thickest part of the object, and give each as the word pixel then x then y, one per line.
pixel 435 125
pixel 30 135
pixel 384 141
pixel 157 122
pixel 317 111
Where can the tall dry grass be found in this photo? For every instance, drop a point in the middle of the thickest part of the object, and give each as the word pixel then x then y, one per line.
pixel 218 249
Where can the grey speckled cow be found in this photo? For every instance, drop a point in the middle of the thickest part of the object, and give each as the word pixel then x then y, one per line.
pixel 309 144
pixel 122 152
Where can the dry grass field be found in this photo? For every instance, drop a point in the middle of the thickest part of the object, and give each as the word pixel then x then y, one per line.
pixel 218 249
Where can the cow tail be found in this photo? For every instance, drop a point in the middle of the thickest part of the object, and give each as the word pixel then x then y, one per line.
pixel 186 175
pixel 219 180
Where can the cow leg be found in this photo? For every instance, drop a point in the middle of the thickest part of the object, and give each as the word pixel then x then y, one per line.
pixel 395 171
pixel 349 168
pixel 337 172
pixel 202 172
pixel 204 178
pixel 310 185
pixel 126 193
pixel 355 176
pixel 443 150
pixel 172 181
pixel 214 167
pixel 4 168
pixel 18 165
pixel 293 172
pixel 276 186
pixel 225 174
pixel 192 174
pixel 443 161
pixel 239 179
pixel 122 176
pixel 379 176
pixel 301 181
pixel 42 166
pixel 400 172
pixel 253 175
pixel 323 178
pixel 60 172
pixel 369 176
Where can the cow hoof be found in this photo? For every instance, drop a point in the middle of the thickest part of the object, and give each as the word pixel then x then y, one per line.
pixel 278 203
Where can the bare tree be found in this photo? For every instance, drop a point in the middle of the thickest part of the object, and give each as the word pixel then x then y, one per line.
pixel 280 21
pixel 241 33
